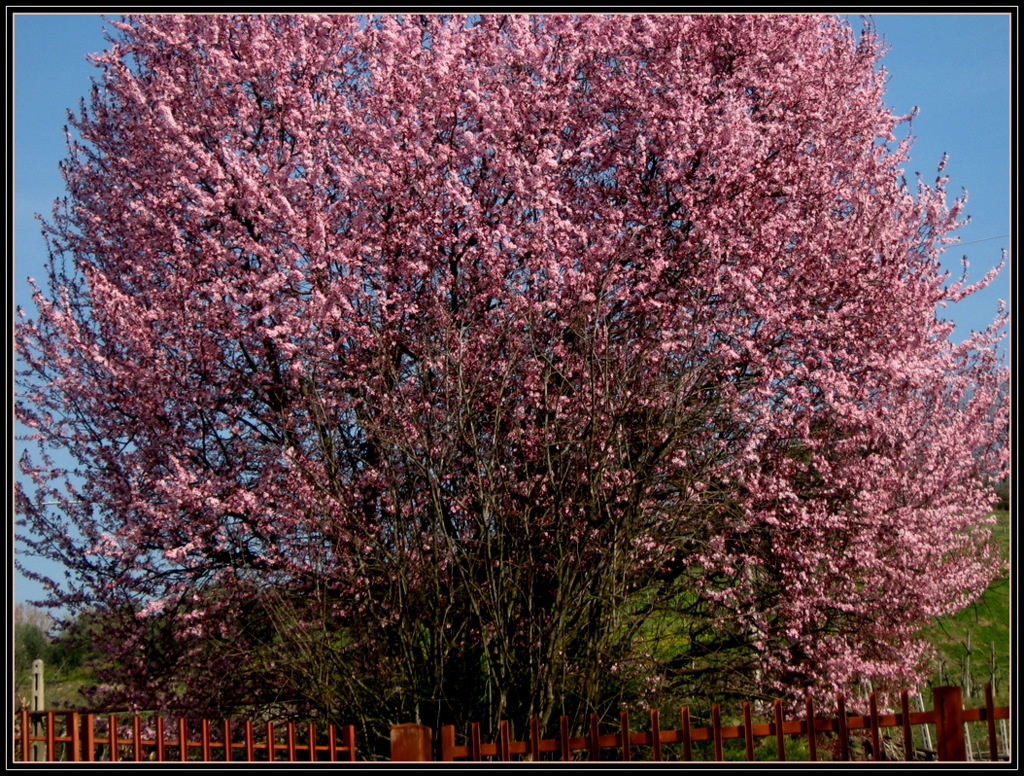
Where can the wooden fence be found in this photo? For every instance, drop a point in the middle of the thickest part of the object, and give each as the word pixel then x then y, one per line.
pixel 83 736
pixel 948 717
pixel 90 737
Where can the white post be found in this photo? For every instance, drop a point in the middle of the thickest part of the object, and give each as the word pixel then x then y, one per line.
pixel 925 732
pixel 38 704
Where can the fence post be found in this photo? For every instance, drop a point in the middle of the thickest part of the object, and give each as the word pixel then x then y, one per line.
pixel 411 743
pixel 447 743
pixel 38 704
pixel 25 733
pixel 949 724
pixel 76 738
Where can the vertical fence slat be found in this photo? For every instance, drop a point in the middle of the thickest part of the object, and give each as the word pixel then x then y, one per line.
pixel 312 742
pixel 595 744
pixel 656 735
pixel 812 733
pixel 474 742
pixel 51 736
pixel 844 739
pixel 182 739
pixel 76 738
pixel 780 738
pixel 624 734
pixel 271 747
pixel 90 737
pixel 535 739
pixel 504 738
pixel 137 738
pixel 206 739
pixel 23 736
pixel 291 743
pixel 716 725
pixel 687 743
pixel 350 742
pixel 908 733
pixel 250 745
pixel 227 740
pixel 563 738
pixel 160 748
pixel 748 732
pixel 876 740
pixel 332 743
pixel 26 745
pixel 990 721
pixel 112 738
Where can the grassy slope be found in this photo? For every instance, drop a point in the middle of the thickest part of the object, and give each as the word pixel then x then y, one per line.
pixel 987 622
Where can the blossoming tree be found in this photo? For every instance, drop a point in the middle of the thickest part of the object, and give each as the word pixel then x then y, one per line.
pixel 436 367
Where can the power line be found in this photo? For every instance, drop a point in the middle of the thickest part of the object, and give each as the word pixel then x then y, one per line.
pixel 983 239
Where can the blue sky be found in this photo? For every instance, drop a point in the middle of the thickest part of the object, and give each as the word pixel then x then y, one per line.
pixel 954 67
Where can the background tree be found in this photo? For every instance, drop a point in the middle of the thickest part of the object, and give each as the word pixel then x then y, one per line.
pixel 64 654
pixel 31 640
pixel 447 368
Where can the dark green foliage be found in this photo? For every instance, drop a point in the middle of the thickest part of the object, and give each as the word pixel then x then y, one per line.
pixel 30 643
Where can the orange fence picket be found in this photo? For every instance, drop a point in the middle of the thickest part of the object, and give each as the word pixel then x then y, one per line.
pixel 948 718
pixel 90 737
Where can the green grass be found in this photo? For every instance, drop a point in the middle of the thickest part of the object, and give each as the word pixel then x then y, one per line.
pixel 985 625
